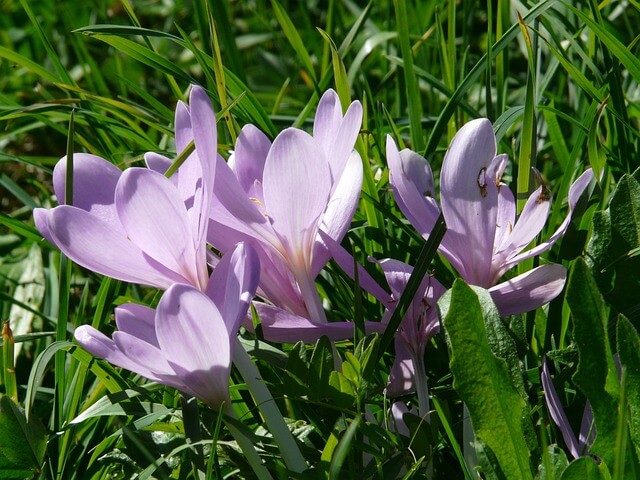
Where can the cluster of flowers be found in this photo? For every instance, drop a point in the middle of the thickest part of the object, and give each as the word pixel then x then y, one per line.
pixel 277 212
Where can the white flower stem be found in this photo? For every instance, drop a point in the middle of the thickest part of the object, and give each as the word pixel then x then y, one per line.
pixel 421 387
pixel 269 409
pixel 247 447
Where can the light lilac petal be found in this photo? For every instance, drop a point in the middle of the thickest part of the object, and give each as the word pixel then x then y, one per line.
pixel 203 124
pixel 41 219
pixel 90 242
pixel 233 285
pixel 529 224
pixel 234 209
pixel 194 339
pixel 336 134
pixel 296 191
pixel 497 166
pixel 575 192
pixel 469 200
pixel 94 185
pixel 101 346
pixel 506 217
pixel 530 290
pixel 587 433
pixel 346 262
pixel 411 179
pixel 398 409
pixel 250 154
pixel 146 357
pixel 557 412
pixel 402 374
pixel 182 126
pixel 139 321
pixel 281 326
pixel 158 163
pixel 342 206
pixel 155 219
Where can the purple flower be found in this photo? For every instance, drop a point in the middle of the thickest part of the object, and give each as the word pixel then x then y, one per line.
pixel 138 225
pixel 187 342
pixel 483 238
pixel 577 446
pixel 419 324
pixel 278 197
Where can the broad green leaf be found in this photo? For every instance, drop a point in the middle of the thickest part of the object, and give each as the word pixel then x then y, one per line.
pixel 583 468
pixel 22 443
pixel 629 352
pixel 616 236
pixel 341 390
pixel 482 380
pixel 596 375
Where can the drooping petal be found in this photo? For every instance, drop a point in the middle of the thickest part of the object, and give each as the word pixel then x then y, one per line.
pixel 233 284
pixel 139 321
pixel 155 219
pixel 469 200
pixel 336 134
pixel 412 182
pixel 557 412
pixel 296 190
pixel 342 206
pixel 194 338
pixel 530 290
pixel 90 242
pixel 101 346
pixel 250 154
pixel 575 192
pixel 281 326
pixel 182 126
pixel 94 184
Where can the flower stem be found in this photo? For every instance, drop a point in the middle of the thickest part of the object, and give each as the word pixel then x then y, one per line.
pixel 269 410
pixel 421 387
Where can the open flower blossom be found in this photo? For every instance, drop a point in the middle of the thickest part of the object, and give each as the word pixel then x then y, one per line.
pixel 137 225
pixel 419 324
pixel 578 447
pixel 187 343
pixel 483 238
pixel 279 196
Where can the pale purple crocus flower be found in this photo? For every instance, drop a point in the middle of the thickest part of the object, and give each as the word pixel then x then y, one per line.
pixel 578 447
pixel 138 225
pixel 483 238
pixel 279 197
pixel 187 342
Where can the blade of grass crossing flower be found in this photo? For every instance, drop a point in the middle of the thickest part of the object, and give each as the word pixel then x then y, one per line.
pixel 423 262
pixel 412 92
pixel 213 465
pixel 290 31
